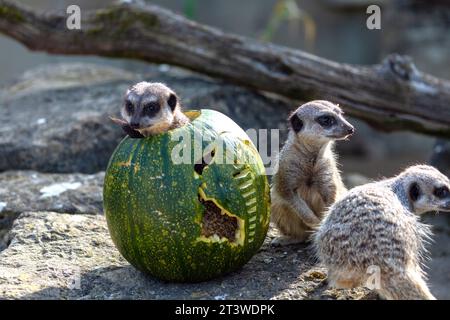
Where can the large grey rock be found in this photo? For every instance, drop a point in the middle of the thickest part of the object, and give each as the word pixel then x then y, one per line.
pixel 441 156
pixel 28 190
pixel 55 118
pixel 61 256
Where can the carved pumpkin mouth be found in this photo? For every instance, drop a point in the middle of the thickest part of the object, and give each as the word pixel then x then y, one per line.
pixel 218 224
pixel 215 222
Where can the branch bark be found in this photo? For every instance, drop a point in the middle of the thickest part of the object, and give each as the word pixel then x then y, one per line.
pixel 393 95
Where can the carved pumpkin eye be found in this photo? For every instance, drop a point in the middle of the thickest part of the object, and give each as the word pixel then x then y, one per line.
pixel 151 108
pixel 326 121
pixel 441 192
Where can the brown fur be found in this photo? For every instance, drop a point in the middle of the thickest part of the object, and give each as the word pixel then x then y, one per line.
pixel 166 118
pixel 178 121
pixel 378 224
pixel 306 184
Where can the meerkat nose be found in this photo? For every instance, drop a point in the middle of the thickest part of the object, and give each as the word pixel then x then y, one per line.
pixel 351 130
pixel 134 125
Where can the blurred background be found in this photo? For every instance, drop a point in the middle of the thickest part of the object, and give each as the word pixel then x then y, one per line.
pixel 332 29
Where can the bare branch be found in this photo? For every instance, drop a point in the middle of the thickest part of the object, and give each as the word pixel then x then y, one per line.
pixel 393 95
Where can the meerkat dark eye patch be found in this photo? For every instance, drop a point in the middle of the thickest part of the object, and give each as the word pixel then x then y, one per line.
pixel 150 109
pixel 296 123
pixel 326 121
pixel 441 192
pixel 414 192
pixel 172 101
pixel 129 107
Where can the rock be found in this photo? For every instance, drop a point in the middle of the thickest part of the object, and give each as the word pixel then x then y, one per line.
pixel 439 264
pixel 52 123
pixel 441 156
pixel 427 42
pixel 62 256
pixel 28 190
pixel 352 180
pixel 69 193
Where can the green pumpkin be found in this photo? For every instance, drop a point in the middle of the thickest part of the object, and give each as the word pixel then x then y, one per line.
pixel 188 221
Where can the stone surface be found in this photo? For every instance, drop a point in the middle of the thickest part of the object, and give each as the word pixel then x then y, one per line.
pixel 439 264
pixel 57 124
pixel 55 119
pixel 28 190
pixel 441 156
pixel 61 256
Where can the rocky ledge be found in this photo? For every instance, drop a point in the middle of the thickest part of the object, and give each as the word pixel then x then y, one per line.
pixel 62 256
pixel 68 129
pixel 54 243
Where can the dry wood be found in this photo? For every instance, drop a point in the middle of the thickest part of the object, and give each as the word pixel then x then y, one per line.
pixel 393 95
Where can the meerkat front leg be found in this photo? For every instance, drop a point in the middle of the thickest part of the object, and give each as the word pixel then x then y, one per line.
pixel 304 212
pixel 287 213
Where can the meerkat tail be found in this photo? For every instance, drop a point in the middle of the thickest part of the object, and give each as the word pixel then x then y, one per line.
pixel 405 287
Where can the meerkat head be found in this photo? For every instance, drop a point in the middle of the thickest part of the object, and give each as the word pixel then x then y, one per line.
pixel 147 104
pixel 320 121
pixel 427 189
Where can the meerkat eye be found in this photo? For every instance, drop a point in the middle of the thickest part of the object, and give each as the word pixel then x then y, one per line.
pixel 152 108
pixel 414 192
pixel 442 192
pixel 172 101
pixel 296 123
pixel 129 107
pixel 326 121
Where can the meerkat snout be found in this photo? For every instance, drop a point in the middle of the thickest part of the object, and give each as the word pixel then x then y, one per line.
pixel 320 120
pixel 427 189
pixel 150 108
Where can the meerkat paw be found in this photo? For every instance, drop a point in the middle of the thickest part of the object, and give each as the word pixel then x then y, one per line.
pixel 286 241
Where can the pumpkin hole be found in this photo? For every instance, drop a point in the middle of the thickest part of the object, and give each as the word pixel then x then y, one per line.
pixel 198 167
pixel 217 223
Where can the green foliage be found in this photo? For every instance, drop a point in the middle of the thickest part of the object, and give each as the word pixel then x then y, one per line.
pixel 9 13
pixel 189 8
pixel 288 11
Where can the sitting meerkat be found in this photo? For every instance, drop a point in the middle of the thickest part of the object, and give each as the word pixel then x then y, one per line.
pixel 377 224
pixel 307 180
pixel 150 109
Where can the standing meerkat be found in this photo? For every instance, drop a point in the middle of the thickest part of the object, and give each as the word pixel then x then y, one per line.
pixel 150 109
pixel 377 224
pixel 307 180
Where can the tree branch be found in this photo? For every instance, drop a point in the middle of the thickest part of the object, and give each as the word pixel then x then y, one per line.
pixel 393 95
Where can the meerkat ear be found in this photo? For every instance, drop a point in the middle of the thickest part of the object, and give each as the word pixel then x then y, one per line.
pixel 296 123
pixel 414 191
pixel 172 101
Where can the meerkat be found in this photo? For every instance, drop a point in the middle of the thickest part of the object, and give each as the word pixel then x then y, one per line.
pixel 307 180
pixel 377 225
pixel 150 108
